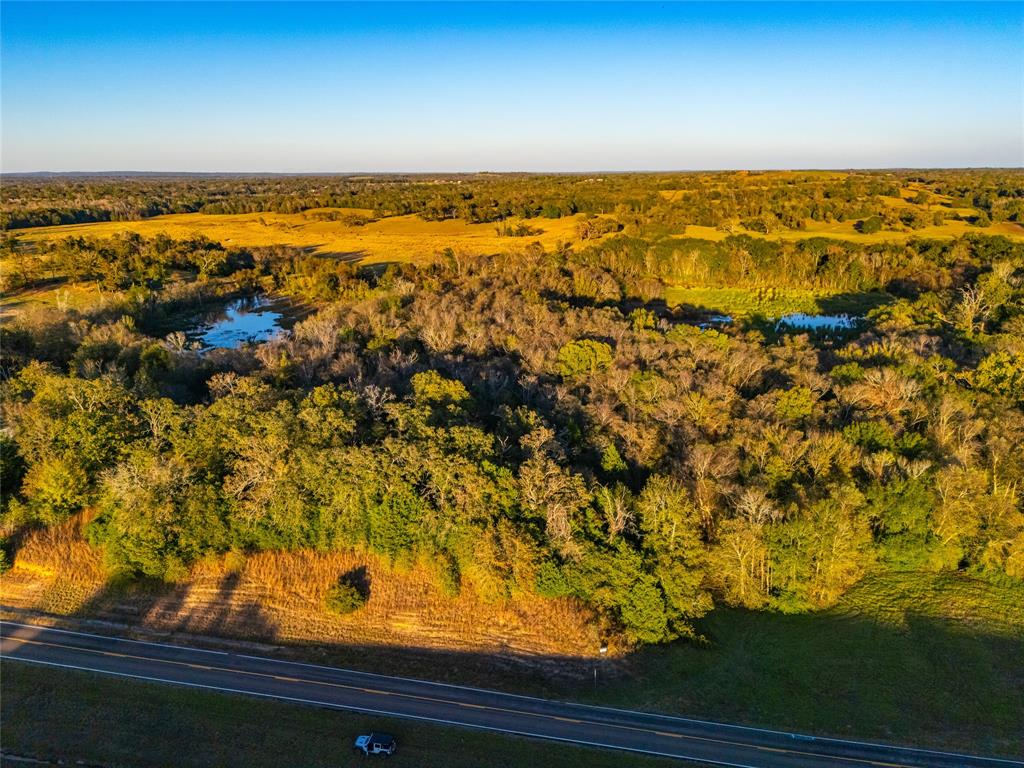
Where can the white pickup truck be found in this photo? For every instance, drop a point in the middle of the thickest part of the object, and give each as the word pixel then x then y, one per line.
pixel 375 744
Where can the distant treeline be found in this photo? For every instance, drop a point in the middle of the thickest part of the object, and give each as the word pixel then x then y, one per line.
pixel 656 203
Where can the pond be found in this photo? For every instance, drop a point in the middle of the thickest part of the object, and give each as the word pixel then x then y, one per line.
pixel 252 319
pixel 817 322
pixel 712 321
pixel 792 322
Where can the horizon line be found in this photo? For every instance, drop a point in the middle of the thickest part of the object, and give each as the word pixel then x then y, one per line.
pixel 440 172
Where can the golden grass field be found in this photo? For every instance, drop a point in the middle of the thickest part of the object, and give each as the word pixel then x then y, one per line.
pixel 279 597
pixel 845 231
pixel 396 238
pixel 63 296
pixel 410 238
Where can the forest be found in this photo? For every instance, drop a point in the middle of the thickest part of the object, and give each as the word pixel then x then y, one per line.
pixel 539 421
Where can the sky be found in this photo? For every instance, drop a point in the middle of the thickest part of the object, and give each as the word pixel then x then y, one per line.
pixel 323 87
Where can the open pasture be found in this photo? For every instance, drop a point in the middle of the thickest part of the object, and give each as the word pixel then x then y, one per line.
pixel 397 238
pixel 845 230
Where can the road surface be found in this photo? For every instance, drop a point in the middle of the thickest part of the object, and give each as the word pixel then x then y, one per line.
pixel 713 743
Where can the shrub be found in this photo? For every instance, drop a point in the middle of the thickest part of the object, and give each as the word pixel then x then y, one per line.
pixel 449 577
pixel 344 597
pixel 869 226
pixel 58 487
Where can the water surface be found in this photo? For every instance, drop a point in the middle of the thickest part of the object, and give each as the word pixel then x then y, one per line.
pixel 250 320
pixel 817 322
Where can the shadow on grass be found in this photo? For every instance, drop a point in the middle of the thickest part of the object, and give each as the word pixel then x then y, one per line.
pixel 345 256
pixel 859 303
pixel 922 679
pixel 885 665
pixel 854 304
pixel 137 602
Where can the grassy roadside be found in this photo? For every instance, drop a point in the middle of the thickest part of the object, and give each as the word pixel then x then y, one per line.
pixel 53 714
pixel 930 660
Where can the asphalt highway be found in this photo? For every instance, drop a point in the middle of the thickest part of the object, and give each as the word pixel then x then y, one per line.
pixel 713 743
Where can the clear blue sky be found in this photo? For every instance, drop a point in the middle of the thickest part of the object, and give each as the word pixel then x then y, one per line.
pixel 394 87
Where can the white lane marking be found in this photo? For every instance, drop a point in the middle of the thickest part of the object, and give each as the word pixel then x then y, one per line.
pixel 330 705
pixel 431 700
pixel 633 712
pixel 113 638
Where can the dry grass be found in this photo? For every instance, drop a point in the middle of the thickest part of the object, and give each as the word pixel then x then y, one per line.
pixel 845 231
pixel 279 596
pixel 62 296
pixel 398 238
pixel 55 571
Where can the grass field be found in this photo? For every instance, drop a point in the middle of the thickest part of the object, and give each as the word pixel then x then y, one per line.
pixel 55 714
pixel 60 295
pixel 398 238
pixel 845 231
pixel 924 659
pixel 775 302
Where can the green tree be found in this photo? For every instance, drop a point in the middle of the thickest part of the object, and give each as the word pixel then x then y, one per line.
pixel 157 517
pixel 584 357
pixel 821 553
pixel 869 226
pixel 57 486
pixel 795 404
pixel 1001 373
pixel 672 535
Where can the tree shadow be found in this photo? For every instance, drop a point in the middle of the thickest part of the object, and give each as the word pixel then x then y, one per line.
pixel 658 307
pixel 359 578
pixel 923 680
pixel 166 607
pixel 878 668
pixel 853 303
pixel 345 256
